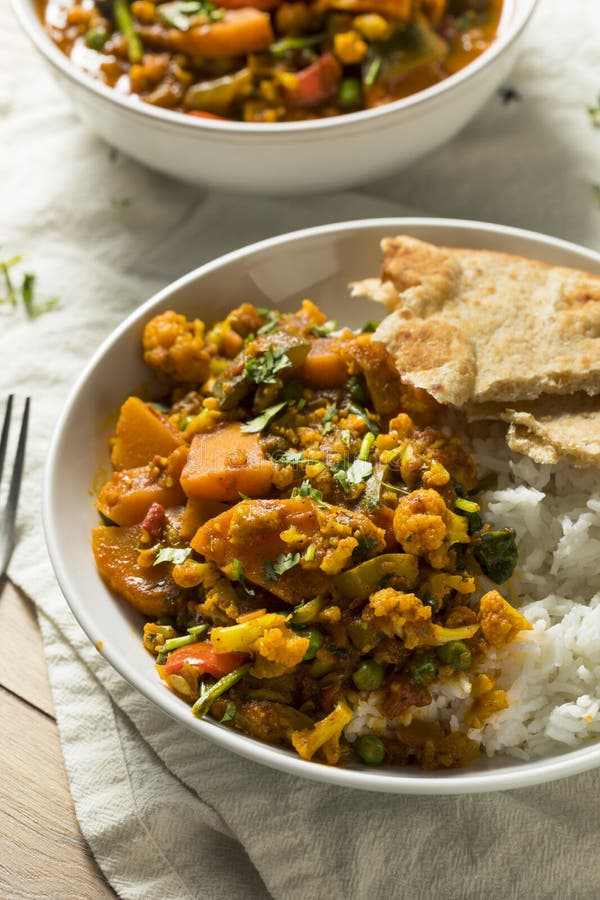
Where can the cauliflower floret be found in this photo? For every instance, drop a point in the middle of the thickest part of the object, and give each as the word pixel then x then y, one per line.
pixel 277 647
pixel 425 526
pixel 324 735
pixel 400 615
pixel 500 623
pixel 175 347
pixel 404 616
pixel 419 522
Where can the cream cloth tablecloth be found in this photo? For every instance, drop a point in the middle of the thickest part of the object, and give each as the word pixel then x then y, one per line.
pixel 166 814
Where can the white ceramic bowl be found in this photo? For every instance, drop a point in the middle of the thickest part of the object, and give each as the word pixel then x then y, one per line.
pixel 315 263
pixel 294 157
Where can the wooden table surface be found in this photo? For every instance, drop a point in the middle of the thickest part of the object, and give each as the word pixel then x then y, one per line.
pixel 43 855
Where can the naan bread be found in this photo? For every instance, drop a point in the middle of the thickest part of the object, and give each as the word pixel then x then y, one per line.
pixel 504 328
pixel 551 428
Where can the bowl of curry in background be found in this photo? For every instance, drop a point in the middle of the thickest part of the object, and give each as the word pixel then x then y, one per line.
pixel 277 273
pixel 272 97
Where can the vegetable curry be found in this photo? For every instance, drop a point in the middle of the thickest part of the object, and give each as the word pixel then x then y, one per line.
pixel 271 60
pixel 302 534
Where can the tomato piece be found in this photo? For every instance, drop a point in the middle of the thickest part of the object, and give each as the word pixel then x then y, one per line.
pixel 316 83
pixel 204 657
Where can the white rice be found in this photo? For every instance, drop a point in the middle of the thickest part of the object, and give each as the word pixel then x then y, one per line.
pixel 551 674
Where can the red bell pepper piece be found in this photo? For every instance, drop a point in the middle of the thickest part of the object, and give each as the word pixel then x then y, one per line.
pixel 203 657
pixel 316 83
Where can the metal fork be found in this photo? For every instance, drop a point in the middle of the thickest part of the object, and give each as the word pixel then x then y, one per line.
pixel 9 515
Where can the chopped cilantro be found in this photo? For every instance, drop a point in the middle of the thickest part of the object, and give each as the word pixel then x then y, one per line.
pixel 328 417
pixel 179 13
pixel 341 476
pixel 370 327
pixel 263 369
pixel 306 490
pixel 237 571
pixel 395 488
pixel 325 329
pixel 365 544
pixel 24 293
pixel 272 317
pixel 261 422
pixel 290 458
pixel 229 714
pixel 594 113
pixel 282 563
pixel 175 555
pixel 360 411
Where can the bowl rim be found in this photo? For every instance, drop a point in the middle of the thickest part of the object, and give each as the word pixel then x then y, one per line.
pixel 522 775
pixel 517 13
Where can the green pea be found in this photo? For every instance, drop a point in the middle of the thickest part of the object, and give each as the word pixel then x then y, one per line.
pixel 424 670
pixel 370 749
pixel 315 640
pixel 96 38
pixel 166 620
pixel 456 654
pixel 368 676
pixel 350 92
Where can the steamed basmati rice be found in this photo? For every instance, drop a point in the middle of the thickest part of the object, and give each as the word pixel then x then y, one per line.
pixel 551 674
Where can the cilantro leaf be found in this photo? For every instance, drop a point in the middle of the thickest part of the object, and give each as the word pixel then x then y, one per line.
pixel 263 369
pixel 325 329
pixel 25 293
pixel 370 326
pixel 237 571
pixel 261 422
pixel 272 317
pixel 594 113
pixel 306 490
pixel 371 423
pixel 365 544
pixel 175 555
pixel 290 458
pixel 178 14
pixel 341 476
pixel 282 563
pixel 229 714
pixel 328 417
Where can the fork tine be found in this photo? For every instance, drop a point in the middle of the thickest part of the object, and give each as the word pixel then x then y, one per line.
pixel 7 529
pixel 5 430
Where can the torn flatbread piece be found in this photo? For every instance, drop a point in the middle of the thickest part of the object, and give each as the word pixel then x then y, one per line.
pixel 432 355
pixel 527 327
pixel 551 428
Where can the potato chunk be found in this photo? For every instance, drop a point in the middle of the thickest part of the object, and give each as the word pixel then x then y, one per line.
pixel 225 463
pixel 141 433
pixel 151 591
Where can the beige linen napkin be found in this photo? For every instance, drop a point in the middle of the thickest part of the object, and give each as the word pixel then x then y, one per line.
pixel 167 814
